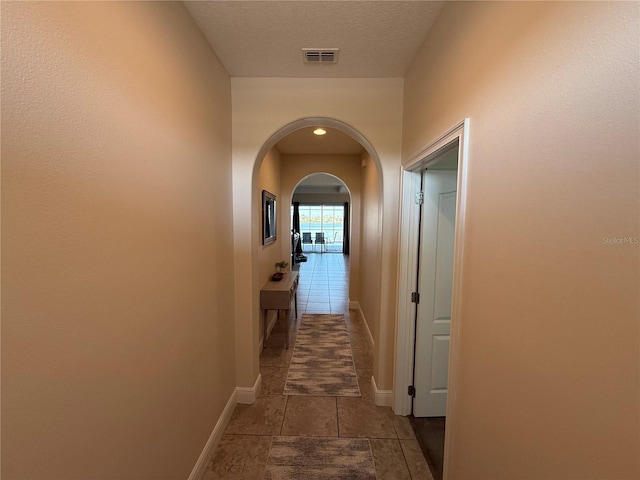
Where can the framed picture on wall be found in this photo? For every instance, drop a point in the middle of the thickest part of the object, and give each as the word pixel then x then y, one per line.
pixel 268 218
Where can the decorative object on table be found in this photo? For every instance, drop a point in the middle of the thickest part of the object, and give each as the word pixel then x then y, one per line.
pixel 322 362
pixel 280 267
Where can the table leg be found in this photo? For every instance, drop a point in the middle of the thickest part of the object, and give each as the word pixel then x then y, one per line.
pixel 266 328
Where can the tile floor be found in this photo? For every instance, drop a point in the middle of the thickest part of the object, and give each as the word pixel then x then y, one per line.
pixel 244 448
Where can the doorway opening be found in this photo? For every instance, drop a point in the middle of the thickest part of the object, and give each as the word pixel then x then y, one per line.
pixel 433 310
pixel 431 254
pixel 320 213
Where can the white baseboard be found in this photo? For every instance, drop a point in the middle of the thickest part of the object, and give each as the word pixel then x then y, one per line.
pixel 215 437
pixel 356 306
pixel 249 395
pixel 382 398
pixel 239 395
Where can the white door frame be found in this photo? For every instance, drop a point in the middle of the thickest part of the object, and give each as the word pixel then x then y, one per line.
pixel 407 277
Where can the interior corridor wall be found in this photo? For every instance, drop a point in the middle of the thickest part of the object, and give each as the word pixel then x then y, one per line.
pixel 117 325
pixel 370 276
pixel 263 106
pixel 269 255
pixel 546 369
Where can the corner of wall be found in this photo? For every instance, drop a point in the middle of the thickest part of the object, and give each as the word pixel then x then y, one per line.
pixel 354 305
pixel 382 398
pixel 249 395
pixel 214 439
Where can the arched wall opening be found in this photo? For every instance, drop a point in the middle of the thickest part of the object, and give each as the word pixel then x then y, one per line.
pixel 301 171
pixel 293 173
pixel 344 190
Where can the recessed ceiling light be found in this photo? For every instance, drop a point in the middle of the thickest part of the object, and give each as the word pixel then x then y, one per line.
pixel 319 131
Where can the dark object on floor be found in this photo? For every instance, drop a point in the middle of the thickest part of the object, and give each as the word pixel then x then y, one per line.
pixel 301 258
pixel 430 434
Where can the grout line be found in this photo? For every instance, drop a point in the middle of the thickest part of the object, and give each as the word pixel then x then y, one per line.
pixel 406 462
pixel 286 405
pixel 264 469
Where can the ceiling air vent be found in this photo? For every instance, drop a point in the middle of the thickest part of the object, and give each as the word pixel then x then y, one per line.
pixel 320 55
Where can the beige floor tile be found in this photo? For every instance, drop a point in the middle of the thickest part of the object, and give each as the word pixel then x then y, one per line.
pixel 359 341
pixel 244 449
pixel 315 298
pixel 310 416
pixel 357 327
pixel 363 358
pixel 416 462
pixel 264 417
pixel 364 382
pixel 318 308
pixel 281 323
pixel 389 460
pixel 273 380
pixel 276 356
pixel 276 339
pixel 239 457
pixel 359 417
pixel 403 428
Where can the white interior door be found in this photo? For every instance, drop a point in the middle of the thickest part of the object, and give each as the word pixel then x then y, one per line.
pixel 433 323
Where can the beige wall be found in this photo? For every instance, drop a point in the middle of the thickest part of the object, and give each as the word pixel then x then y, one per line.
pixel 262 107
pixel 117 324
pixel 346 168
pixel 369 247
pixel 547 365
pixel 269 255
pixel 320 198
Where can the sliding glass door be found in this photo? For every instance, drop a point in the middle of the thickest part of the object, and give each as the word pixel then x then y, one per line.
pixel 323 223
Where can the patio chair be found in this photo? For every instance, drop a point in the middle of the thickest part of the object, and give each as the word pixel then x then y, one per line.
pixel 306 239
pixel 320 240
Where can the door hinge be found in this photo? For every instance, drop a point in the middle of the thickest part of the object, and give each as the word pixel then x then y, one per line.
pixel 415 297
pixel 419 198
pixel 411 391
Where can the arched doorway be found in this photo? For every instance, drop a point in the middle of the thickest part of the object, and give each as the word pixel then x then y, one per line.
pixel 293 162
pixel 248 271
pixel 321 214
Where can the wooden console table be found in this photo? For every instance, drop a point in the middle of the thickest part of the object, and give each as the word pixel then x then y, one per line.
pixel 278 296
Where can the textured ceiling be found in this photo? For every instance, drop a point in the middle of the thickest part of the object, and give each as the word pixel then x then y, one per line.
pixel 266 38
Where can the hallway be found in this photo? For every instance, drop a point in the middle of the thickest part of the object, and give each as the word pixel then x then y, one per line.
pixel 244 448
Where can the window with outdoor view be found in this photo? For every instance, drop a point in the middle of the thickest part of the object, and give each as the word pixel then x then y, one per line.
pixel 324 219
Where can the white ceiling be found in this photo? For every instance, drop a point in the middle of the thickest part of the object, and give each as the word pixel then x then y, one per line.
pixel 266 38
